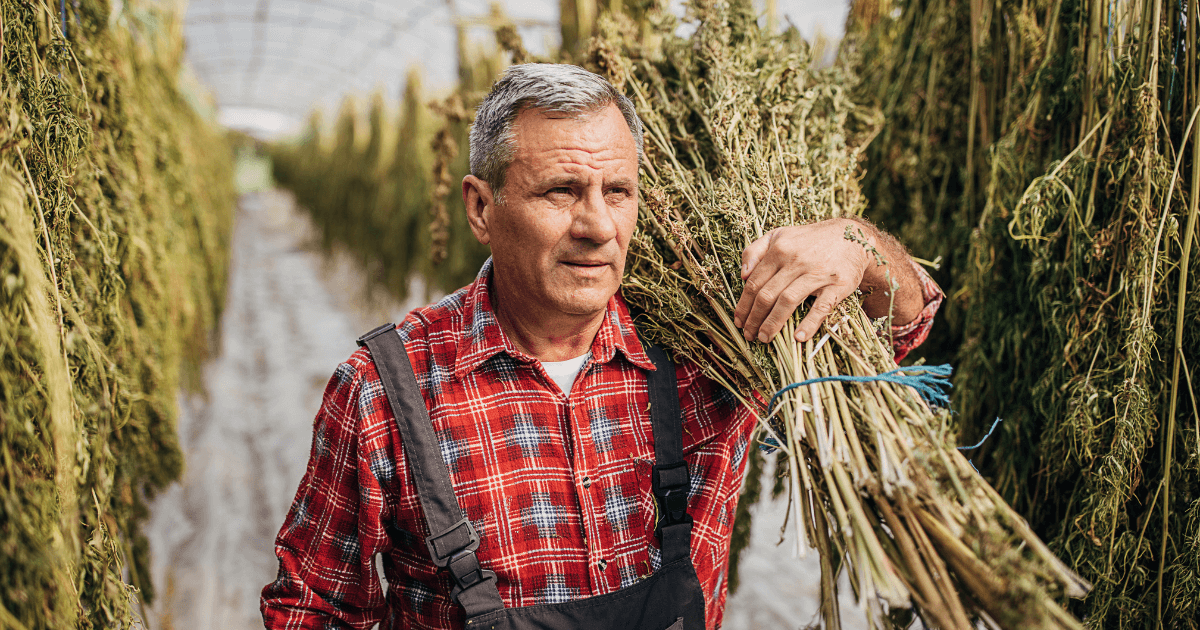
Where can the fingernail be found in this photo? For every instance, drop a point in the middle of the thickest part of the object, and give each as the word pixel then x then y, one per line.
pixel 762 338
pixel 737 321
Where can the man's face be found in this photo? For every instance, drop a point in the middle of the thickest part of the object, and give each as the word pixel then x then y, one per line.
pixel 568 208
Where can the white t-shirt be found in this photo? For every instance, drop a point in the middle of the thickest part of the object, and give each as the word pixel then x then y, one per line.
pixel 565 372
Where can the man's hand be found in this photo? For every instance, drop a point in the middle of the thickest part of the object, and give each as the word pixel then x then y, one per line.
pixel 826 261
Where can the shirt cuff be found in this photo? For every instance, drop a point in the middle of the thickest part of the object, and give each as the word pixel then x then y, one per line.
pixel 908 336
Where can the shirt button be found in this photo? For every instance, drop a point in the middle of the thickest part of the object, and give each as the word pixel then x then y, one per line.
pixel 587 482
pixel 603 564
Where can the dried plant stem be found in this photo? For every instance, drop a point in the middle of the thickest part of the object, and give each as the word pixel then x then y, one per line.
pixel 875 483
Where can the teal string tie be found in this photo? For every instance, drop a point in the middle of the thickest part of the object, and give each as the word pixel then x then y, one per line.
pixel 930 381
pixel 989 434
pixel 980 443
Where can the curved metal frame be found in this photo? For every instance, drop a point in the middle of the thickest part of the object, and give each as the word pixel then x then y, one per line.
pixel 226 61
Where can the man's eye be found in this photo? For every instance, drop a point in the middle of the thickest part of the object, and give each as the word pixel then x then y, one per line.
pixel 618 192
pixel 559 190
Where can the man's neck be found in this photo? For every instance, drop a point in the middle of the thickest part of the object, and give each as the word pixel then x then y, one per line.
pixel 545 336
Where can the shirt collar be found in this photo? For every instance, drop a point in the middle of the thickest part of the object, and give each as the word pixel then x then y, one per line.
pixel 482 336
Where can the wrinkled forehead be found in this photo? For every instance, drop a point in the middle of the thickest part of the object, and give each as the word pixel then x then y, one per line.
pixel 583 115
pixel 605 120
pixel 600 129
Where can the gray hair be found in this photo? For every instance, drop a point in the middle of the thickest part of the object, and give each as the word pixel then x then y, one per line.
pixel 547 87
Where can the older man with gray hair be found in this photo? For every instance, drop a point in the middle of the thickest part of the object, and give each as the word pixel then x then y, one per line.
pixel 516 454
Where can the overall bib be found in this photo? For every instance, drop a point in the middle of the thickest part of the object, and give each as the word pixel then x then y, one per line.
pixel 670 599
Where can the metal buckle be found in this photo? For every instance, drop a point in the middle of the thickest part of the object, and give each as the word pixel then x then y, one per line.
pixel 471 546
pixel 362 341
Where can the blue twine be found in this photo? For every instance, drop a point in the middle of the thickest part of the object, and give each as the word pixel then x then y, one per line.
pixel 930 381
pixel 989 434
pixel 980 443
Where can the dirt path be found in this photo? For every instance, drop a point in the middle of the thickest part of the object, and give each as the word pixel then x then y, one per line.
pixel 291 318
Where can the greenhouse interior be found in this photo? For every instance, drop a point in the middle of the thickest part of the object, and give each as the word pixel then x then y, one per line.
pixel 211 212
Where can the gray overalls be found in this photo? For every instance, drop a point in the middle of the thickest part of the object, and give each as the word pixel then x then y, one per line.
pixel 670 599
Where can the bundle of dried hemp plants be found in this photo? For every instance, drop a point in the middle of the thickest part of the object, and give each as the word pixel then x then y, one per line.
pixel 744 135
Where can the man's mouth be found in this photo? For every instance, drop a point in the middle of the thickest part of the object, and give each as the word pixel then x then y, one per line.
pixel 584 263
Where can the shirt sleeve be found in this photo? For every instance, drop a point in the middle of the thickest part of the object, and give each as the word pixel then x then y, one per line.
pixel 913 334
pixel 327 545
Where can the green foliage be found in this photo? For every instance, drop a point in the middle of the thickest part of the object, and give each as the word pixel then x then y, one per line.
pixel 115 211
pixel 915 175
pixel 1058 179
pixel 370 189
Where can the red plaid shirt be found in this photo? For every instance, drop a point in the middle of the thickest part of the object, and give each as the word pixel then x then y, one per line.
pixel 558 487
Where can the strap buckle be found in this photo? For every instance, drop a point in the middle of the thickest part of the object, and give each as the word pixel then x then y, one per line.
pixel 449 551
pixel 362 341
pixel 444 547
pixel 671 484
pixel 464 568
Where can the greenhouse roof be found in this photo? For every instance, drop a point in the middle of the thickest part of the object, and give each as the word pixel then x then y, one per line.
pixel 270 62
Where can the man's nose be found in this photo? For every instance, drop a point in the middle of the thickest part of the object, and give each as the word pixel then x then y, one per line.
pixel 593 218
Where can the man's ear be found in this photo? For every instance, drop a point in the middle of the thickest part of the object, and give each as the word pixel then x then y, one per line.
pixel 480 203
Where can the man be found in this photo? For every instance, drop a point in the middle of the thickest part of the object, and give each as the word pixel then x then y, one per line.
pixel 537 390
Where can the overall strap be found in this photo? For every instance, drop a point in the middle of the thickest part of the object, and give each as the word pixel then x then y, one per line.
pixel 452 539
pixel 671 478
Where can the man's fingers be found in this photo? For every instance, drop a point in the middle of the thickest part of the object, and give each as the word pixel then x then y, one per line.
pixel 763 288
pixel 759 304
pixel 758 279
pixel 827 300
pixel 754 253
pixel 785 305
